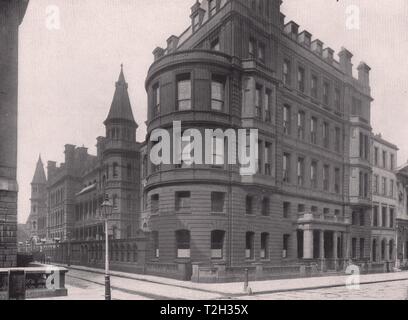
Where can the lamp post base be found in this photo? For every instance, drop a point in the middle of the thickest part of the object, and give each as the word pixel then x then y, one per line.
pixel 107 288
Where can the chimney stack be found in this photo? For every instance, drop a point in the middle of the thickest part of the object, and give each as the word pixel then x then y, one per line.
pixel 317 47
pixel 345 61
pixel 364 74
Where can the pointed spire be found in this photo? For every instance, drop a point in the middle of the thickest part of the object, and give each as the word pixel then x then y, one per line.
pixel 39 175
pixel 121 108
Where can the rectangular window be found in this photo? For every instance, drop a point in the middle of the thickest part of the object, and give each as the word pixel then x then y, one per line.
pixel 362 218
pixel 267 105
pixel 326 135
pixel 265 207
pixel 326 178
pixel 326 93
pixel 286 119
pixel 314 86
pixel 337 142
pixel 392 161
pixel 301 171
pixel 301 79
pixel 391 217
pixel 286 210
pixel 376 156
pixel 384 163
pixel 354 248
pixel 366 185
pixel 217 202
pixel 313 130
pixel 313 174
pixel 301 125
pixel 183 244
pixel 249 245
pixel 384 186
pixel 217 244
pixel 337 180
pixel 286 239
pixel 391 188
pixel 362 246
pixel 258 102
pixel 287 72
pixel 183 201
pixel 155 203
pixel 375 184
pixel 217 93
pixel 375 216
pixel 286 167
pixel 268 159
pixel 156 100
pixel 337 102
pixel 249 205
pixel 384 217
pixel 184 92
pixel 356 107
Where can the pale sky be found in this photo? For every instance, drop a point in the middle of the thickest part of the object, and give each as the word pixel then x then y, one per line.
pixel 67 76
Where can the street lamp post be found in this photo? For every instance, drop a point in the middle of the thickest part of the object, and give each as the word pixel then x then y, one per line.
pixel 107 208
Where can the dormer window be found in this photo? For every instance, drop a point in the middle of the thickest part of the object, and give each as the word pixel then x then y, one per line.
pixel 212 4
pixel 196 22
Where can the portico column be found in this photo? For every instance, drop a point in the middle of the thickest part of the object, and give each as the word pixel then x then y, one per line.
pixel 321 244
pixel 308 244
pixel 346 243
pixel 335 240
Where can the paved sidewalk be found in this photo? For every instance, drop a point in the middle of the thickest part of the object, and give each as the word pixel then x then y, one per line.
pixel 257 287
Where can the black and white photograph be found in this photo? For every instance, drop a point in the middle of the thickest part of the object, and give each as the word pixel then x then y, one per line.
pixel 218 151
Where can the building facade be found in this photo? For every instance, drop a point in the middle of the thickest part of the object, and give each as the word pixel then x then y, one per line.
pixel 402 215
pixel 239 65
pixel 77 188
pixel 11 16
pixel 385 202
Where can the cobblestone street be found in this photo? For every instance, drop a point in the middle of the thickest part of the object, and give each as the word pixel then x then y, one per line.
pixel 89 285
pixel 396 290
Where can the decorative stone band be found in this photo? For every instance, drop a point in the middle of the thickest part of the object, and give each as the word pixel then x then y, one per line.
pixel 8 185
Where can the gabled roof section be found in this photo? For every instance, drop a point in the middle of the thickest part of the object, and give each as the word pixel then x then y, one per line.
pixel 121 108
pixel 39 175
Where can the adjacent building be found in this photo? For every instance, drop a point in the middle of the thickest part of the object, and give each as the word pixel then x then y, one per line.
pixel 11 16
pixel 240 65
pixel 402 215
pixel 385 201
pixel 77 188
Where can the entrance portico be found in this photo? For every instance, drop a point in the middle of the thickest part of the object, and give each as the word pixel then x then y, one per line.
pixel 324 243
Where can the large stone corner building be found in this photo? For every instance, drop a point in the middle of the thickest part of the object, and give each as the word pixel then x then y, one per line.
pixel 11 16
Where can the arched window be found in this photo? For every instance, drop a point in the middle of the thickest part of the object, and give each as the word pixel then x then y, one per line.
pixel 217 244
pixel 115 201
pixel 183 244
